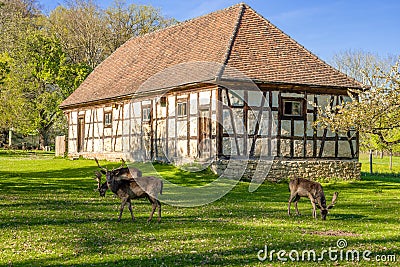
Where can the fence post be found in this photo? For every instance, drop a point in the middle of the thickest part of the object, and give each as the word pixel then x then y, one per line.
pixel 370 161
pixel 60 146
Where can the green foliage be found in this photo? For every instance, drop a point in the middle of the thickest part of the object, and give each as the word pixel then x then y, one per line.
pixel 43 59
pixel 41 77
pixel 126 21
pixel 374 112
pixel 4 67
pixel 51 215
pixel 90 34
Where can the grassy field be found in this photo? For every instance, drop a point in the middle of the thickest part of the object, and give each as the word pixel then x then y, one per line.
pixel 51 215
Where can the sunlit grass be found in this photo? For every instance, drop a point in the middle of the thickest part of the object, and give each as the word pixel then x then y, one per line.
pixel 51 215
pixel 380 165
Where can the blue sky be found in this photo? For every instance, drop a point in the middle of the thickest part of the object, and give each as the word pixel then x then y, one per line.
pixel 323 27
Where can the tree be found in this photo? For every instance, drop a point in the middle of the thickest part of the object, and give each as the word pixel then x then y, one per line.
pixel 81 29
pixel 15 21
pixel 126 21
pixel 363 66
pixel 50 80
pixel 15 18
pixel 40 77
pixel 373 112
pixel 44 59
pixel 89 34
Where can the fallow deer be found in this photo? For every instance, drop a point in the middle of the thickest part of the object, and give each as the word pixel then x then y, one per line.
pixel 300 187
pixel 128 184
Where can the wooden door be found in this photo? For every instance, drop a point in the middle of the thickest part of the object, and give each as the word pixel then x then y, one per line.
pixel 204 134
pixel 81 133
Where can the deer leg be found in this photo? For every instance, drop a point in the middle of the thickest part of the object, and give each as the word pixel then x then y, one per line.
pixel 121 209
pixel 153 209
pixel 291 198
pixel 130 209
pixel 159 210
pixel 314 211
pixel 296 200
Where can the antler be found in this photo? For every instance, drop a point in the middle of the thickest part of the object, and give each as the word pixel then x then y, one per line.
pixel 123 163
pixel 335 195
pixel 104 169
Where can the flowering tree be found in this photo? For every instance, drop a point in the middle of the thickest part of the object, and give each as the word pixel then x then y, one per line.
pixel 373 112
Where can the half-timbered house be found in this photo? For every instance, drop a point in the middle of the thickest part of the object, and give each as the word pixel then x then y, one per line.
pixel 218 88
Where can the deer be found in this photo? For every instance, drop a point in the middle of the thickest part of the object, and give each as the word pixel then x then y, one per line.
pixel 127 184
pixel 300 187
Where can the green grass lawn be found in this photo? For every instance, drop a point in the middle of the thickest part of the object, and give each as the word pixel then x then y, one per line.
pixel 51 215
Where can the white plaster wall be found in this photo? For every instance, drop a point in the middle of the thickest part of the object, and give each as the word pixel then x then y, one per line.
pixel 182 128
pixel 344 149
pixel 298 128
pixel 275 99
pixel 285 128
pixel 182 148
pixel 329 149
pixel 255 98
pixel 193 103
pixel 213 100
pixel 204 97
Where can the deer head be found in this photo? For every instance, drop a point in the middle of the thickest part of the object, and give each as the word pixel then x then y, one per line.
pixel 97 177
pixel 324 211
pixel 102 188
pixel 105 171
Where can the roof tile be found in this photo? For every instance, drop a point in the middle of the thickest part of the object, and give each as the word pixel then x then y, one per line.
pixel 236 36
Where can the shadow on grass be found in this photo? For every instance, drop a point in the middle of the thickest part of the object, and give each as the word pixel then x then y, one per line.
pixel 247 255
pixel 383 177
pixel 238 256
pixel 25 154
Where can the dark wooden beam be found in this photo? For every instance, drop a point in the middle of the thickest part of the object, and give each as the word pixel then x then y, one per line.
pixel 257 126
pixel 233 123
pixel 219 116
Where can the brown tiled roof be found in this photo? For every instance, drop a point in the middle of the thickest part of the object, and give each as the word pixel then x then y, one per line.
pixel 236 36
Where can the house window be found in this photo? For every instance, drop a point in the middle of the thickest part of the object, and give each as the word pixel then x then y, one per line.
pixel 182 109
pixel 107 119
pixel 146 114
pixel 163 101
pixel 293 107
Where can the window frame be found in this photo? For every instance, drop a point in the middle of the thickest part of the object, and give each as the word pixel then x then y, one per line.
pixel 148 110
pixel 300 102
pixel 106 123
pixel 178 109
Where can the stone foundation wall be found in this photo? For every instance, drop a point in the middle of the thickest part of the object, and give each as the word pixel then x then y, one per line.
pixel 110 156
pixel 271 170
pixel 277 170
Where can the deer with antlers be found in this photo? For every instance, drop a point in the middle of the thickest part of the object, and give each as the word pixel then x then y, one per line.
pixel 127 184
pixel 300 187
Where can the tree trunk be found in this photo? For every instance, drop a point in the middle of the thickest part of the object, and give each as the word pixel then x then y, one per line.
pixel 43 139
pixel 381 154
pixel 391 161
pixel 370 161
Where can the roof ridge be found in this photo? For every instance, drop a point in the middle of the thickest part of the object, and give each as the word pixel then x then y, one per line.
pixel 172 26
pixel 304 48
pixel 232 39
